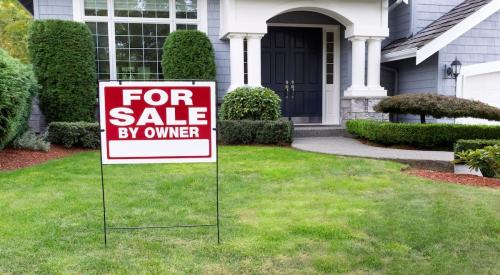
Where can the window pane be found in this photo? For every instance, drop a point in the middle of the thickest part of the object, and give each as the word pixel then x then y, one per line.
pixel 142 8
pixel 138 52
pixel 100 34
pixel 95 7
pixel 186 9
pixel 187 27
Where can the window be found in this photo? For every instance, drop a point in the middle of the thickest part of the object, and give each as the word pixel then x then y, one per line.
pixel 129 34
pixel 245 61
pixel 329 57
pixel 100 34
pixel 139 49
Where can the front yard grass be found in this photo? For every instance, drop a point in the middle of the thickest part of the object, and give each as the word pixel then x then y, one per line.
pixel 282 211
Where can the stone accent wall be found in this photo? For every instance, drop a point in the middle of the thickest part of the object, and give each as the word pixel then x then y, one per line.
pixel 360 108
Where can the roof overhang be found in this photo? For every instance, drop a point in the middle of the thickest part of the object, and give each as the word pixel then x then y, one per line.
pixel 445 38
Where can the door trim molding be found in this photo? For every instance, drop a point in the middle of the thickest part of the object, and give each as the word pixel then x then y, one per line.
pixel 330 114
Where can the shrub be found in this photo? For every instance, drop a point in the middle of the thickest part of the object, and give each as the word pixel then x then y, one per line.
pixel 487 160
pixel 62 53
pixel 473 144
pixel 188 55
pixel 437 106
pixel 17 88
pixel 30 141
pixel 278 132
pixel 248 103
pixel 420 135
pixel 75 134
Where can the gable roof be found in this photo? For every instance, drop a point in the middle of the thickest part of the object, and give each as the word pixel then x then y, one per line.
pixel 442 31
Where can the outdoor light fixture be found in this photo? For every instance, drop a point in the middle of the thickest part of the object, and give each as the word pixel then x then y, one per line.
pixel 453 71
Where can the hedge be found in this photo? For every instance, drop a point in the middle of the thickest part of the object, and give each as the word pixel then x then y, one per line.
pixel 437 106
pixel 63 57
pixel 278 132
pixel 251 103
pixel 420 135
pixel 74 134
pixel 473 144
pixel 188 55
pixel 17 88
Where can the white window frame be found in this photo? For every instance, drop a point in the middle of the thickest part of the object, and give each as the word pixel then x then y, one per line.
pixel 79 15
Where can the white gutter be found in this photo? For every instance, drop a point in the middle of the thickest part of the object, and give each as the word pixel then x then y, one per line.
pixel 397 3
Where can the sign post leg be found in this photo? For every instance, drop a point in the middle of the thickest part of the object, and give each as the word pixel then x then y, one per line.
pixel 105 226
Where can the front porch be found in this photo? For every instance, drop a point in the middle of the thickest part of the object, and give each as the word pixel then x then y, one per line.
pixel 321 57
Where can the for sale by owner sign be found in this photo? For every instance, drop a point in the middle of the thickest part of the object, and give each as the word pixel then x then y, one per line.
pixel 157 122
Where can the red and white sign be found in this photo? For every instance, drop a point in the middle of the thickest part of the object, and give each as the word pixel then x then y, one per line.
pixel 157 122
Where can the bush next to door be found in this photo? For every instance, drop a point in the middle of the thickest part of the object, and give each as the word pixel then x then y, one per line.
pixel 420 135
pixel 62 53
pixel 252 104
pixel 74 134
pixel 17 88
pixel 188 55
pixel 276 132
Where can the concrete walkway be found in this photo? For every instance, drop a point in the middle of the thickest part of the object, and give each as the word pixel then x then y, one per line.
pixel 351 147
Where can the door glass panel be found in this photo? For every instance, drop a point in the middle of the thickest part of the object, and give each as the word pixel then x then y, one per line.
pixel 329 58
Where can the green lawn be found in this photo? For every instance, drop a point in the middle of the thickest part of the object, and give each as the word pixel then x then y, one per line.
pixel 282 211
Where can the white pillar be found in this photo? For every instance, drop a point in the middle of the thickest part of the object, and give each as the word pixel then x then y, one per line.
pixel 358 87
pixel 254 59
pixel 373 78
pixel 237 62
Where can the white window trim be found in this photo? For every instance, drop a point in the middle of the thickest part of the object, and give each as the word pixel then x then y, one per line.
pixel 79 15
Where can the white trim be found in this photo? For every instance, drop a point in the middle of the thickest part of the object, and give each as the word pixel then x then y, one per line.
pixel 404 54
pixel 333 119
pixel 36 10
pixel 456 31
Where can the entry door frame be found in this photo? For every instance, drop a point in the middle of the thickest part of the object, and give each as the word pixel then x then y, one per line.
pixel 330 92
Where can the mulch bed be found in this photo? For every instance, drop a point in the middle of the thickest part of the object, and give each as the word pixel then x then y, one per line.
pixel 12 159
pixel 453 178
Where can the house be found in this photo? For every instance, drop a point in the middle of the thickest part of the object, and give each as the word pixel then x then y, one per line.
pixel 329 60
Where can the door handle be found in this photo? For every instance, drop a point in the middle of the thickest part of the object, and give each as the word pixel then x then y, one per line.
pixel 293 89
pixel 286 89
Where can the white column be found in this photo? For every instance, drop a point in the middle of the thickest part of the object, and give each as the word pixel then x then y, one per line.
pixel 358 87
pixel 373 78
pixel 237 62
pixel 254 59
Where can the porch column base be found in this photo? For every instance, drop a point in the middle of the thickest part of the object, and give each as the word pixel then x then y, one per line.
pixel 361 107
pixel 365 92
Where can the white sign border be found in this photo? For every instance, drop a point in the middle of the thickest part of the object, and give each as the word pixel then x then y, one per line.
pixel 102 118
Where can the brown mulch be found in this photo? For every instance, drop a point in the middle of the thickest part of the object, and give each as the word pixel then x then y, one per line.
pixel 12 159
pixel 454 178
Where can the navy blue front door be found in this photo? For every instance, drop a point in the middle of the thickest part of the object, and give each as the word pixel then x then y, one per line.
pixel 292 67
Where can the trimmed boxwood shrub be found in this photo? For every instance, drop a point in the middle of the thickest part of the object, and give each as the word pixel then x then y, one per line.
pixel 62 53
pixel 75 134
pixel 473 144
pixel 420 135
pixel 188 55
pixel 251 103
pixel 437 106
pixel 17 88
pixel 278 132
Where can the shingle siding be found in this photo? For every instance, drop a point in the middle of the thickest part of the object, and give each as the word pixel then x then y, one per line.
pixel 55 9
pixel 221 48
pixel 399 23
pixel 478 45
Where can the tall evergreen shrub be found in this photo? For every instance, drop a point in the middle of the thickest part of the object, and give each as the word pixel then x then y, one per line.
pixel 188 55
pixel 17 88
pixel 63 57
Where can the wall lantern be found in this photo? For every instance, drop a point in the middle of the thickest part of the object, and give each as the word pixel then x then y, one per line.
pixel 453 71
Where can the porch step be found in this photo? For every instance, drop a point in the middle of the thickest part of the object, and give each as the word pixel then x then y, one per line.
pixel 302 131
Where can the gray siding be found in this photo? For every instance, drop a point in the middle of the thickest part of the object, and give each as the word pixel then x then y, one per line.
pixel 54 9
pixel 478 45
pixel 221 48
pixel 399 23
pixel 426 11
pixel 345 62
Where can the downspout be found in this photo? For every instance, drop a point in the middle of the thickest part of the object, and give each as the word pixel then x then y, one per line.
pixel 397 3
